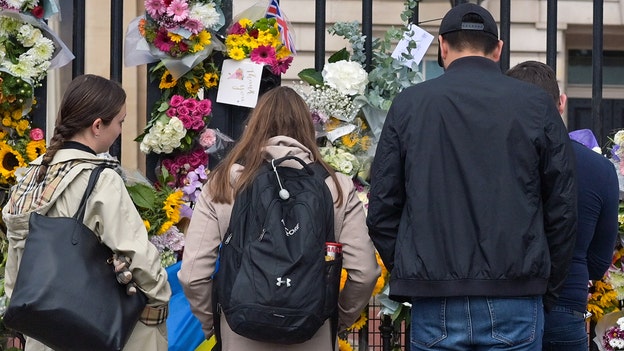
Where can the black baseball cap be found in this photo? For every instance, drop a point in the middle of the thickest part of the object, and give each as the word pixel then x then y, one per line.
pixel 453 22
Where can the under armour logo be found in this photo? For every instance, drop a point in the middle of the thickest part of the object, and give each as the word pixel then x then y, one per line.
pixel 290 232
pixel 280 281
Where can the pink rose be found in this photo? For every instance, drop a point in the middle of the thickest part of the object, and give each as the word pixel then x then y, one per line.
pixel 191 104
pixel 183 110
pixel 207 138
pixel 171 112
pixel 187 121
pixel 36 134
pixel 198 124
pixel 205 106
pixel 176 100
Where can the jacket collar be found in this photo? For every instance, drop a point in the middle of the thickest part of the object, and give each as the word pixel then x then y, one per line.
pixel 475 63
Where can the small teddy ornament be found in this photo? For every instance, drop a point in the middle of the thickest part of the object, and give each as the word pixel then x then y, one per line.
pixel 121 264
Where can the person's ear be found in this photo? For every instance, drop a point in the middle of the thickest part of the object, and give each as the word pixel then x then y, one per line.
pixel 96 126
pixel 497 52
pixel 442 51
pixel 563 99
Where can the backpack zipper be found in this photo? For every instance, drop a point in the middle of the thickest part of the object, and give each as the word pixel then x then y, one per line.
pixel 262 234
pixel 227 240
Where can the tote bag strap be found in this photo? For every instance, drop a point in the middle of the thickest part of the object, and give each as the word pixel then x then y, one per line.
pixel 95 174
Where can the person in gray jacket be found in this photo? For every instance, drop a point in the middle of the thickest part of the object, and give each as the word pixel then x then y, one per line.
pixel 473 197
pixel 89 120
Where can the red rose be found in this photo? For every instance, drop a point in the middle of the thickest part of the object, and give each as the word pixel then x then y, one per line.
pixel 37 11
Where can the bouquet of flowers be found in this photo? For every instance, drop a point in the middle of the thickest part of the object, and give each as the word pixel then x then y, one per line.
pixel 30 7
pixel 24 50
pixel 175 124
pixel 260 42
pixel 16 97
pixel 179 165
pixel 160 205
pixel 178 33
pixel 200 78
pixel 610 332
pixel 180 27
pixel 333 92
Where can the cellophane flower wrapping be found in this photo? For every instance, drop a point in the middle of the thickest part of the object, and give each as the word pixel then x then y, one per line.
pixel 610 332
pixel 179 33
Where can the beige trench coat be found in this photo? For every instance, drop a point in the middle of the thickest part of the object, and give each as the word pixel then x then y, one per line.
pixel 207 229
pixel 111 214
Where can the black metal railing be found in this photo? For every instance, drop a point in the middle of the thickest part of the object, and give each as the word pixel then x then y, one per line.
pixel 229 119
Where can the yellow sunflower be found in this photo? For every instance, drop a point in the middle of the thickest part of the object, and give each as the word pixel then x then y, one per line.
pixel 35 148
pixel 381 281
pixel 192 86
pixel 344 345
pixel 10 160
pixel 172 205
pixel 167 81
pixel 343 278
pixel 360 323
pixel 166 226
pixel 211 80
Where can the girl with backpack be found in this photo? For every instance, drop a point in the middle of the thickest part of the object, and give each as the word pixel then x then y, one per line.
pixel 280 125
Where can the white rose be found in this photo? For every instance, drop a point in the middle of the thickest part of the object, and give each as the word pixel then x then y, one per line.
pixel 348 77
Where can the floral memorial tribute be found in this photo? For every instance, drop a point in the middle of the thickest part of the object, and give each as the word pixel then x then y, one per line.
pixel 28 50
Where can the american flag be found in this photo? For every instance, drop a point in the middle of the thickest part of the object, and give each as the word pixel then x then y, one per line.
pixel 274 11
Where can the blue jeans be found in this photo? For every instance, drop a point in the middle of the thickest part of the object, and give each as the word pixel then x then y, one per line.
pixel 564 329
pixel 477 323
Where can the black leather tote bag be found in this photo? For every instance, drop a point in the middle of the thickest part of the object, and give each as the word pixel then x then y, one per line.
pixel 66 295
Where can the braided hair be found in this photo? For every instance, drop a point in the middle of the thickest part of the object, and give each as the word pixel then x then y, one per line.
pixel 87 98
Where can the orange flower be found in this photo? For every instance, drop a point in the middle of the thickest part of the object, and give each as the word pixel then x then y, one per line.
pixel 142 26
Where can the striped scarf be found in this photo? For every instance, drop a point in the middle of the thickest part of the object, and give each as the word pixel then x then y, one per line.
pixel 29 195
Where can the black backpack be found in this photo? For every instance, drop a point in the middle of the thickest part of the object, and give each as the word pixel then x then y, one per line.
pixel 274 283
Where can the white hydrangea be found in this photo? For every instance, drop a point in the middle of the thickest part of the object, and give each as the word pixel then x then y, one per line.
pixel 348 77
pixel 205 13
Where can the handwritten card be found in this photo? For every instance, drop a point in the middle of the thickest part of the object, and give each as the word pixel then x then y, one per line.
pixel 239 83
pixel 422 38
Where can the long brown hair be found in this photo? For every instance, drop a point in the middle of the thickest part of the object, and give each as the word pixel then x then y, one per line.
pixel 87 98
pixel 280 111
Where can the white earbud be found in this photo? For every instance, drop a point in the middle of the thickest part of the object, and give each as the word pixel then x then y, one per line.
pixel 283 193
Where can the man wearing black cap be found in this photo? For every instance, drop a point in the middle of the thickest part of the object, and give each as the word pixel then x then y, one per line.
pixel 473 198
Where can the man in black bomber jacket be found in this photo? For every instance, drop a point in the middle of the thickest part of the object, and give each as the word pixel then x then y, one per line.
pixel 473 197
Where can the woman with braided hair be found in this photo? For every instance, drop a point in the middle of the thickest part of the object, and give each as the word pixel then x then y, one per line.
pixel 89 121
